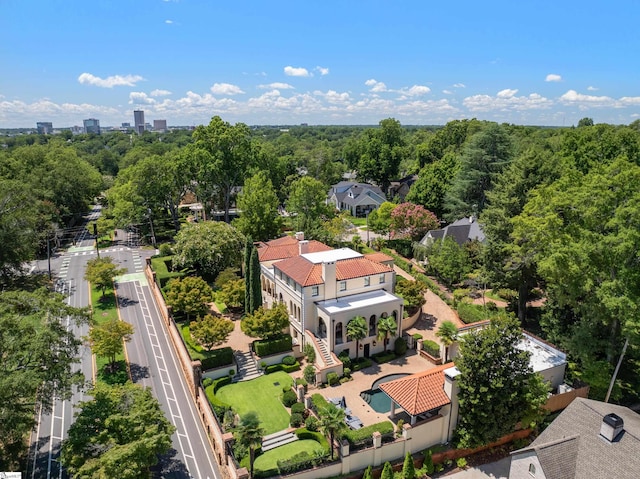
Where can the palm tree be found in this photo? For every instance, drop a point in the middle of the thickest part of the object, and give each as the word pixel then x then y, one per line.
pixel 331 422
pixel 448 333
pixel 357 330
pixel 249 433
pixel 387 326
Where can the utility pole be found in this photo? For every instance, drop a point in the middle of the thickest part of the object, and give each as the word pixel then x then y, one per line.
pixel 95 233
pixel 153 236
pixel 49 255
pixel 615 373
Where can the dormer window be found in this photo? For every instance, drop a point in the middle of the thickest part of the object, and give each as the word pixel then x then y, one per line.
pixel 532 470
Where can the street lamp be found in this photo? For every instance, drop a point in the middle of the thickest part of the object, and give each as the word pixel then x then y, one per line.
pixel 153 236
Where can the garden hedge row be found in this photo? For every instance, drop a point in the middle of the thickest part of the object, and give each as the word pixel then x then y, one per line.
pixel 267 347
pixel 217 358
pixel 219 407
pixel 282 367
pixel 431 347
pixel 304 433
pixel 355 436
pixel 162 267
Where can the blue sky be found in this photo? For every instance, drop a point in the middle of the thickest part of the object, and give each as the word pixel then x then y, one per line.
pixel 318 62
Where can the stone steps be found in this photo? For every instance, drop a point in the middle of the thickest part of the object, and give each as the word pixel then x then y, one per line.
pixel 325 353
pixel 277 439
pixel 247 368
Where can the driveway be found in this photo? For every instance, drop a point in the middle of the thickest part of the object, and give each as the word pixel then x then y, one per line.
pixel 492 470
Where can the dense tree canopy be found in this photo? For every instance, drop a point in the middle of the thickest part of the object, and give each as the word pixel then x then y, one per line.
pixel 258 205
pixel 498 388
pixel 119 433
pixel 37 359
pixel 189 295
pixel 266 323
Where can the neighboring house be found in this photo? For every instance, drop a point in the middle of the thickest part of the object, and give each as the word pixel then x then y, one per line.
pixel 359 199
pixel 588 440
pixel 400 188
pixel 323 290
pixel 461 231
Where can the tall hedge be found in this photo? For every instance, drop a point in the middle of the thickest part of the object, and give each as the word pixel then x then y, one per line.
pixel 279 344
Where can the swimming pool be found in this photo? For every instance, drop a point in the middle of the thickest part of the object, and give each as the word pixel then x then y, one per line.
pixel 376 398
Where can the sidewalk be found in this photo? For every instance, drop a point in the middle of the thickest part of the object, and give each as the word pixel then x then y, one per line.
pixel 492 470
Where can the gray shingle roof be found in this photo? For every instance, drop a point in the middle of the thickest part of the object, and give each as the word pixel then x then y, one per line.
pixel 571 447
pixel 461 231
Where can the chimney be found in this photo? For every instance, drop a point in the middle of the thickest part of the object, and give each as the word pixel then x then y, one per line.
pixel 611 427
pixel 299 235
pixel 303 247
pixel 329 277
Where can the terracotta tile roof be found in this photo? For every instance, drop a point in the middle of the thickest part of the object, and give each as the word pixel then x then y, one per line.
pixel 358 267
pixel 301 270
pixel 421 392
pixel 305 273
pixel 286 247
pixel 378 257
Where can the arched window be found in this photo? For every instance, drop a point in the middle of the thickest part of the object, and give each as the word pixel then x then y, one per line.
pixel 372 325
pixel 291 310
pixel 281 299
pixel 339 333
pixel 395 316
pixel 322 329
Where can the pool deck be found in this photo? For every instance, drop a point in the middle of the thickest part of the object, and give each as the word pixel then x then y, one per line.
pixel 362 381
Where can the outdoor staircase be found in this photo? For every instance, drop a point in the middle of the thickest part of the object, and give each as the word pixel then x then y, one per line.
pixel 277 439
pixel 247 368
pixel 326 354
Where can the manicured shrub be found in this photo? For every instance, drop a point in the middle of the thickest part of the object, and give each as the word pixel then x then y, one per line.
pixel 428 462
pixel 354 436
pixel 217 358
pixel 288 360
pixel 319 402
pixel 346 360
pixel 267 347
pixel 165 249
pixel 360 363
pixel 461 462
pixel 332 378
pixel 206 382
pixel 291 368
pixel 296 420
pixel 273 368
pixel 417 336
pixel 297 408
pixel 218 383
pixel 310 353
pixel 346 372
pixel 387 471
pixel 400 346
pixel 309 373
pixel 302 382
pixel 408 469
pixel 312 423
pixel 289 398
pixel 303 433
pixel 383 357
pixel 431 347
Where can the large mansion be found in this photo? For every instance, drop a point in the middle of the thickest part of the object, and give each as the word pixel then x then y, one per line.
pixel 324 289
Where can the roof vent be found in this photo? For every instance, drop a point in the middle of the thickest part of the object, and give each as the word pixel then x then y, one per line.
pixel 611 427
pixel 299 235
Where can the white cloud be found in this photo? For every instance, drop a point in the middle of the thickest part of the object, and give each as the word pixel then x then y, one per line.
pixel 447 92
pixel 592 88
pixel 168 22
pixel 334 97
pixel 376 86
pixel 553 77
pixel 416 90
pixel 584 101
pixel 276 85
pixel 140 98
pixel 158 92
pixel 506 93
pixel 459 85
pixel 322 70
pixel 226 89
pixel 109 82
pixel 506 100
pixel 296 71
pixel 630 100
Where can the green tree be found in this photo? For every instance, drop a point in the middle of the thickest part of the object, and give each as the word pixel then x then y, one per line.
pixel 37 360
pixel 307 202
pixel 449 260
pixel 189 295
pixel 377 154
pixel 387 327
pixel 246 268
pixel 232 293
pixel 249 434
pixel 119 433
pixel 331 423
pixel 408 468
pixel 498 388
pixel 108 339
pixel 266 323
pixel 357 330
pixel 412 292
pixel 254 282
pixel 211 331
pixel 487 154
pixel 258 205
pixel 337 229
pixel 448 334
pixel 387 471
pixel 434 181
pixel 380 218
pixel 222 154
pixel 367 473
pixel 586 121
pixel 209 247
pixel 101 271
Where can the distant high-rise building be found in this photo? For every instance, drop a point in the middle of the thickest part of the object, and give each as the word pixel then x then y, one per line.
pixel 126 125
pixel 44 127
pixel 91 126
pixel 138 121
pixel 159 125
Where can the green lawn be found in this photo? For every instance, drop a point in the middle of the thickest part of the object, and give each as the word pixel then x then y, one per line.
pixel 104 310
pixel 261 395
pixel 269 460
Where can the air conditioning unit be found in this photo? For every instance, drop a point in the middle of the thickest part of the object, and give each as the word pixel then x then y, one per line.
pixel 564 388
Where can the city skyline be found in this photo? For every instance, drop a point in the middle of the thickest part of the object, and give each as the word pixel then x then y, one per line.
pixel 329 63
